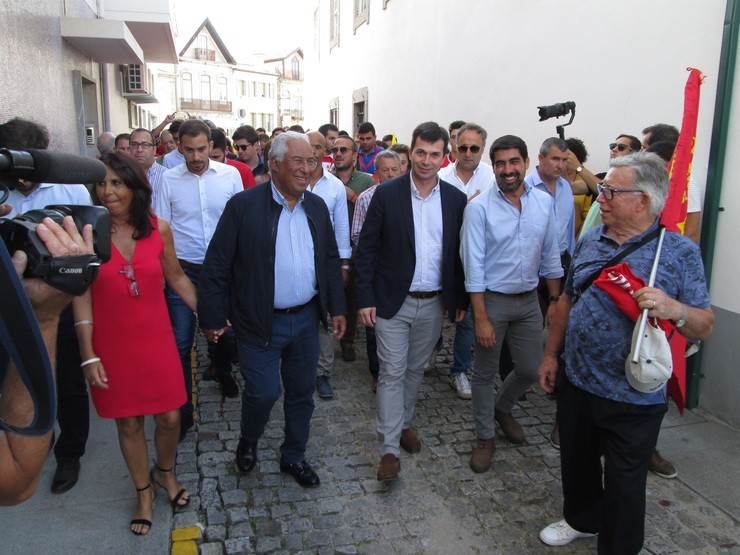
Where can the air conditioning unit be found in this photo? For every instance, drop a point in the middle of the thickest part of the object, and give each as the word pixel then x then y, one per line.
pixel 138 83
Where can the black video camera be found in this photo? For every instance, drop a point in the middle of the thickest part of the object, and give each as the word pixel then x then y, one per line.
pixel 556 110
pixel 71 274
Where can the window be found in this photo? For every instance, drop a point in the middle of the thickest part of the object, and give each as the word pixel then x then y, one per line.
pixel 223 89
pixel 334 111
pixel 205 91
pixel 187 87
pixel 203 42
pixel 362 13
pixel 333 23
pixel 359 107
pixel 296 68
pixel 241 87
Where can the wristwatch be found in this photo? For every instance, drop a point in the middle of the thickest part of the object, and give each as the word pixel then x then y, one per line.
pixel 347 267
pixel 554 298
pixel 579 169
pixel 685 316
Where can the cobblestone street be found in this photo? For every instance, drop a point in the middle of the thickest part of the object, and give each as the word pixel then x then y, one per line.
pixel 438 505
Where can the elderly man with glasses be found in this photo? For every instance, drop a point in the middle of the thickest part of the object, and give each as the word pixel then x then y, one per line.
pixel 599 411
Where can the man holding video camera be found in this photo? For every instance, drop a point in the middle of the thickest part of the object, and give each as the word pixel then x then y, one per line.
pixel 73 406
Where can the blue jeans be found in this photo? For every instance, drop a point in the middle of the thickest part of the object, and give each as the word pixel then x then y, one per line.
pixel 183 326
pixel 462 348
pixel 293 353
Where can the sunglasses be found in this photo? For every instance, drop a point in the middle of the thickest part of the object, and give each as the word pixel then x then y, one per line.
pixel 128 270
pixel 245 147
pixel 342 149
pixel 475 149
pixel 621 147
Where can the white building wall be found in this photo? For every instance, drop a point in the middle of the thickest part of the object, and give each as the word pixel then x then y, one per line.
pixel 495 62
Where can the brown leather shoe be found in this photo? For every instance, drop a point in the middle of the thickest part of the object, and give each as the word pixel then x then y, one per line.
pixel 510 427
pixel 348 352
pixel 409 442
pixel 390 466
pixel 480 458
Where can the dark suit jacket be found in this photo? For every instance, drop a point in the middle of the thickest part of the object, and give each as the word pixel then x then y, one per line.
pixel 386 256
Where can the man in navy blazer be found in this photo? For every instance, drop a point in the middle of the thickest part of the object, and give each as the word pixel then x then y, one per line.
pixel 409 274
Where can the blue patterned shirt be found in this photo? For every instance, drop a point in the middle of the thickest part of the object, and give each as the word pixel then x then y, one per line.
pixel 599 335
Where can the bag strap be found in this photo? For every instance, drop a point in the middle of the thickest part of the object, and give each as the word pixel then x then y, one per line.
pixel 616 258
pixel 21 337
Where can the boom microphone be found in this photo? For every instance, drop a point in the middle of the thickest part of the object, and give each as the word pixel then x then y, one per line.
pixel 43 166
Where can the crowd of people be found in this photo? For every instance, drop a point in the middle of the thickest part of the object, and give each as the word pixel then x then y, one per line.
pixel 277 245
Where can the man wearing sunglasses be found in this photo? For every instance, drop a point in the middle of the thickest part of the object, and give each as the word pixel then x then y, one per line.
pixel 246 141
pixel 472 177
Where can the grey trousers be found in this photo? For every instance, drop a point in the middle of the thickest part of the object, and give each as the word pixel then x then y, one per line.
pixel 405 343
pixel 519 320
pixel 326 351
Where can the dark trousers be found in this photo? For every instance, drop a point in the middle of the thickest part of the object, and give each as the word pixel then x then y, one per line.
pixel 350 295
pixel 625 434
pixel 372 351
pixel 183 326
pixel 292 354
pixel 73 408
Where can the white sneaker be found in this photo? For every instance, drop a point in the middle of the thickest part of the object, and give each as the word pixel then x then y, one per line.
pixel 461 384
pixel 560 533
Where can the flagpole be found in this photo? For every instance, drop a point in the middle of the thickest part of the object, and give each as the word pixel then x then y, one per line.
pixel 651 282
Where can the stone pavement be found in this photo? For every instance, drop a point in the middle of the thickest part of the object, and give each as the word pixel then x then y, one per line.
pixel 438 505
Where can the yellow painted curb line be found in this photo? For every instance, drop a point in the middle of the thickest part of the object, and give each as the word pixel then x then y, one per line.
pixel 185 534
pixel 185 548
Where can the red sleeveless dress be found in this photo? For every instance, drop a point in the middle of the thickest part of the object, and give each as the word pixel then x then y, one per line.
pixel 133 336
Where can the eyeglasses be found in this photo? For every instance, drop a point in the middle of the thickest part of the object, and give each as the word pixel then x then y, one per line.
pixel 245 147
pixel 312 163
pixel 128 270
pixel 342 149
pixel 475 149
pixel 621 147
pixel 134 146
pixel 609 192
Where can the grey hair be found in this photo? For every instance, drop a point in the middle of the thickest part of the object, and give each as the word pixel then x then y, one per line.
pixel 650 176
pixel 388 154
pixel 553 141
pixel 473 127
pixel 279 145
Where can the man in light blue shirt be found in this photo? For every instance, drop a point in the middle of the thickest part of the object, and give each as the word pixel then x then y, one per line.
pixel 508 240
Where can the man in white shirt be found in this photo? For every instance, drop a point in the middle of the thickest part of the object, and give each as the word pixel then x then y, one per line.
pixel 174 158
pixel 192 197
pixel 472 177
pixel 331 190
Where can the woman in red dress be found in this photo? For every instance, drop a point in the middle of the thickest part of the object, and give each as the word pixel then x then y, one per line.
pixel 126 340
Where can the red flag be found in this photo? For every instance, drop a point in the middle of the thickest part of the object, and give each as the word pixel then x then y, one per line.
pixel 674 213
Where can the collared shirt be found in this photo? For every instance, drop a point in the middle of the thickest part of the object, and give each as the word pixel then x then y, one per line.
pixel 358 183
pixel 45 194
pixel 173 159
pixel 155 173
pixel 295 268
pixel 427 239
pixel 565 214
pixel 192 204
pixel 504 249
pixel 331 190
pixel 480 182
pixel 361 206
pixel 366 162
pixel 599 335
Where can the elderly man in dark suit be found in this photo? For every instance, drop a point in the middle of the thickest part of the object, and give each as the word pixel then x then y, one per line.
pixel 408 274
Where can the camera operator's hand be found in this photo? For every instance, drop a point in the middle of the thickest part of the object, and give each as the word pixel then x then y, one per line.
pixel 95 375
pixel 5 209
pixel 47 301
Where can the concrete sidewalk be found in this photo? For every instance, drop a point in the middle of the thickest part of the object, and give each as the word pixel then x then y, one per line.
pixel 437 506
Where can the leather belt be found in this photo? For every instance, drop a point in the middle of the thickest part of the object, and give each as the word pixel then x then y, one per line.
pixel 293 309
pixel 424 294
pixel 190 265
pixel 513 294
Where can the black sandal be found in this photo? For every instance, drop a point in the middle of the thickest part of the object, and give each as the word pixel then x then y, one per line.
pixel 144 521
pixel 178 497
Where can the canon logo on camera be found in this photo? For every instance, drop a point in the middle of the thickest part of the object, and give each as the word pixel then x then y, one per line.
pixel 70 270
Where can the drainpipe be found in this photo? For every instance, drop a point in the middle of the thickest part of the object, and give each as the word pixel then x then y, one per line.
pixel 717 155
pixel 104 79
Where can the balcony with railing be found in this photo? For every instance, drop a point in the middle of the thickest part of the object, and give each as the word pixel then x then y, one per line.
pixel 205 54
pixel 209 105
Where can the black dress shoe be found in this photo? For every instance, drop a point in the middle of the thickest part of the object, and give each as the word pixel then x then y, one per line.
pixel 246 456
pixel 186 422
pixel 302 473
pixel 227 384
pixel 66 476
